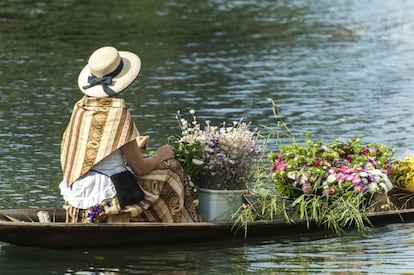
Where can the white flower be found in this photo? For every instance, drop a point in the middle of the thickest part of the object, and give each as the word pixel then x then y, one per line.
pixel 376 172
pixel 331 178
pixel 197 161
pixel 386 184
pixel 372 187
pixel 184 123
pixel 292 175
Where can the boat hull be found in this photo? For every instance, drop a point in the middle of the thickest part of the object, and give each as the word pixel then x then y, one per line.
pixel 61 235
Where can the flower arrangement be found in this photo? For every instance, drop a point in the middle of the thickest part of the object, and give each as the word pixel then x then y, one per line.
pixel 403 173
pixel 216 157
pixel 328 170
pixel 332 184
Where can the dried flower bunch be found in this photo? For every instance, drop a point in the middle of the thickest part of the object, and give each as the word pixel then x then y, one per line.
pixel 216 157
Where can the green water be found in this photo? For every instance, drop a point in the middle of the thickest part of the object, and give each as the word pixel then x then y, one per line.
pixel 337 69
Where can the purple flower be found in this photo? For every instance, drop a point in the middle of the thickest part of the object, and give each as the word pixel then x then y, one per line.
pixel 369 165
pixel 95 210
pixel 215 144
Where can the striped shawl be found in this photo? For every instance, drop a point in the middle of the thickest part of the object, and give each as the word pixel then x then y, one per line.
pixel 98 127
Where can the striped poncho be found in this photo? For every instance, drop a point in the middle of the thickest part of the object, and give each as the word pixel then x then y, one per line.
pixel 98 126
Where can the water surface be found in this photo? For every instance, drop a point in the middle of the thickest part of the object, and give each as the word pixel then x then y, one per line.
pixel 336 69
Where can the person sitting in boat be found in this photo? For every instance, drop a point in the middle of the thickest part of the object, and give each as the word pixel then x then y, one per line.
pixel 102 140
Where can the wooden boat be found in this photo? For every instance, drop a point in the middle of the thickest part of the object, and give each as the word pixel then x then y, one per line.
pixel 60 235
pixel 57 234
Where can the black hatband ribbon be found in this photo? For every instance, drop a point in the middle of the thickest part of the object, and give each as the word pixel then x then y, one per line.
pixel 105 80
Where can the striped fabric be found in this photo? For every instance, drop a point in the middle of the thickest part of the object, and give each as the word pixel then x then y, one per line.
pixel 168 192
pixel 98 126
pixel 168 198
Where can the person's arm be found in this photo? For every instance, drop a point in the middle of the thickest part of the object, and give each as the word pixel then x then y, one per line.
pixel 141 165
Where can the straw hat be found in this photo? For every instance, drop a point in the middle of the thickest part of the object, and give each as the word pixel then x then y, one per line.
pixel 108 72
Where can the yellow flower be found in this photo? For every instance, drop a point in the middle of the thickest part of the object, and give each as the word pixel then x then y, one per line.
pixel 403 173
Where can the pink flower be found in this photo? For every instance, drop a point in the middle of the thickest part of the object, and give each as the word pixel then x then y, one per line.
pixel 359 188
pixel 304 179
pixel 349 178
pixel 306 188
pixel 326 164
pixel 372 160
pixel 330 191
pixel 388 168
pixel 280 165
pixel 356 180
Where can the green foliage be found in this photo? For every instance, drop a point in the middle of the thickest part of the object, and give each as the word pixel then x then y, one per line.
pixel 190 156
pixel 329 184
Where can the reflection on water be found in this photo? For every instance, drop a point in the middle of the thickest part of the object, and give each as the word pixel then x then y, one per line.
pixel 348 254
pixel 336 69
pixel 351 253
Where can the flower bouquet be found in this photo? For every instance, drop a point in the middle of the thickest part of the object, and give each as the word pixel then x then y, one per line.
pixel 219 160
pixel 333 184
pixel 403 173
pixel 216 157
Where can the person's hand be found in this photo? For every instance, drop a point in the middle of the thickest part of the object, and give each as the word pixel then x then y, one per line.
pixel 165 152
pixel 142 142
